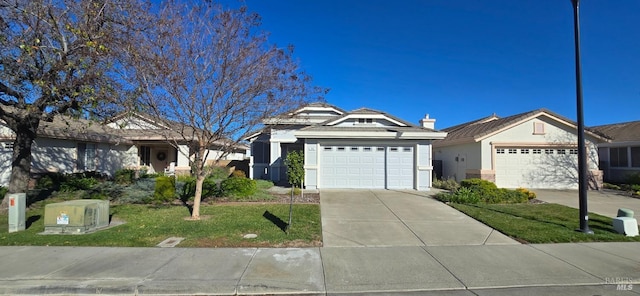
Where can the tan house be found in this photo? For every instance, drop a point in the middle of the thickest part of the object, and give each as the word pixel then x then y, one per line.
pixel 535 149
pixel 620 158
pixel 68 146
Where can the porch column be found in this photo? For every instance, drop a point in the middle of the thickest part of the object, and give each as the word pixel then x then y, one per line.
pixel 275 161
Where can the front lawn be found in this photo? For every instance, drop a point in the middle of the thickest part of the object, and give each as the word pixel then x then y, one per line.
pixel 542 223
pixel 222 225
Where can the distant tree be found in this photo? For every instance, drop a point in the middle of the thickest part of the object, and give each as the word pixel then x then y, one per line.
pixel 59 57
pixel 212 71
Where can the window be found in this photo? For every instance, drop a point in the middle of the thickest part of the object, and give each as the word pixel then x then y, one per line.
pixel 562 151
pixel 635 157
pixel 406 149
pixel 354 148
pixel 145 155
pixel 537 151
pixel 548 151
pixel 365 120
pixel 513 151
pixel 86 157
pixel 8 145
pixel 366 149
pixel 618 157
pixel 500 151
pixel 573 151
pixel 538 128
pixel 524 151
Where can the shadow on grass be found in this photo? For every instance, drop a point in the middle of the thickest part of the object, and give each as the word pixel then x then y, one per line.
pixel 275 220
pixel 31 220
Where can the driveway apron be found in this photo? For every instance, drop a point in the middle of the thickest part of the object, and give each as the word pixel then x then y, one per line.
pixel 385 218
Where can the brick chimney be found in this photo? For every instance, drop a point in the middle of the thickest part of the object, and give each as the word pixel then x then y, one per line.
pixel 427 122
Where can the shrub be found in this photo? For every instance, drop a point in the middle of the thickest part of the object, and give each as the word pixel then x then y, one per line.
pixel 186 188
pixel 165 189
pixel 530 194
pixel 3 191
pixel 465 195
pixel 106 190
pixel 238 187
pixel 217 172
pixel 125 176
pixel 77 182
pixel 264 184
pixel 50 181
pixel 238 174
pixel 448 184
pixel 611 186
pixel 633 179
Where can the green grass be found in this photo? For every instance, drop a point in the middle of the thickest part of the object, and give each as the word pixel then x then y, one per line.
pixel 542 223
pixel 146 226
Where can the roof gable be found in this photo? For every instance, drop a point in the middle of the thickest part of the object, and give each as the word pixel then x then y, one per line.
pixel 367 117
pixel 478 130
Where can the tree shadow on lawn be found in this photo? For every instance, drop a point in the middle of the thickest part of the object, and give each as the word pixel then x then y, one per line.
pixel 31 220
pixel 275 220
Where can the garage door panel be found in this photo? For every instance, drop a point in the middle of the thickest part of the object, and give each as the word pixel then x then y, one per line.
pixel 536 170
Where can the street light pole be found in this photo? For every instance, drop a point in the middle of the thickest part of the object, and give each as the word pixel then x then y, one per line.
pixel 582 151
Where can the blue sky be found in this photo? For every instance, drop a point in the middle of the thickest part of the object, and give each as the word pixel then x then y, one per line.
pixel 465 59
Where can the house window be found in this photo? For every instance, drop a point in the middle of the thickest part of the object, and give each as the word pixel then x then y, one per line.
pixel 573 151
pixel 513 151
pixel 145 155
pixel 8 145
pixel 635 157
pixel 618 157
pixel 365 120
pixel 524 151
pixel 537 151
pixel 548 151
pixel 538 128
pixel 500 151
pixel 562 151
pixel 86 157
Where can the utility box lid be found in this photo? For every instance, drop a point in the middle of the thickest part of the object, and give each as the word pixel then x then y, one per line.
pixel 76 216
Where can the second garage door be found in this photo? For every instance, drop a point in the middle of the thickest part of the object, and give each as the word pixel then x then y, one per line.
pixel 553 168
pixel 362 166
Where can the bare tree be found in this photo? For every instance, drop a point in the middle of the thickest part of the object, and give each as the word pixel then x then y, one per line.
pixel 212 71
pixel 59 57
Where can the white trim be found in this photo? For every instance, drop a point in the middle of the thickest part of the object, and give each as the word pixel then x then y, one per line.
pixel 371 135
pixel 312 108
pixel 372 116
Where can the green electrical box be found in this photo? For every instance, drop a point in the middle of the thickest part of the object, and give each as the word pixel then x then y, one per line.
pixel 76 216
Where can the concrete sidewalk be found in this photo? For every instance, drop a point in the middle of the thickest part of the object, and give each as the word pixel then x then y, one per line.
pixel 554 269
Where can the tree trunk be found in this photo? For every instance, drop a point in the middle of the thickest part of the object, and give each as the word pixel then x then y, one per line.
pixel 21 160
pixel 195 213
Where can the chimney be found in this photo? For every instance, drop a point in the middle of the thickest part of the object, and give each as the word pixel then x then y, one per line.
pixel 427 122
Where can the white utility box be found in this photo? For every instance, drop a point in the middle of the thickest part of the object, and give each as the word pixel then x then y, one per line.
pixel 626 225
pixel 17 212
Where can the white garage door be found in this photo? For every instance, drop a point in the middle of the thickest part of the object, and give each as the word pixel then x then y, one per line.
pixel 553 168
pixel 362 166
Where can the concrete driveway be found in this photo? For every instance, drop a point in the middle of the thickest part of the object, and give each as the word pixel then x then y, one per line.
pixel 384 218
pixel 604 202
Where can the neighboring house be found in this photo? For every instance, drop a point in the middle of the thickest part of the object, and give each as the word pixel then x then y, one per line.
pixel 156 141
pixel 535 149
pixel 621 157
pixel 363 148
pixel 68 145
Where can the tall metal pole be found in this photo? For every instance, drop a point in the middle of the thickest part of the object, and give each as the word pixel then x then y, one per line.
pixel 582 151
